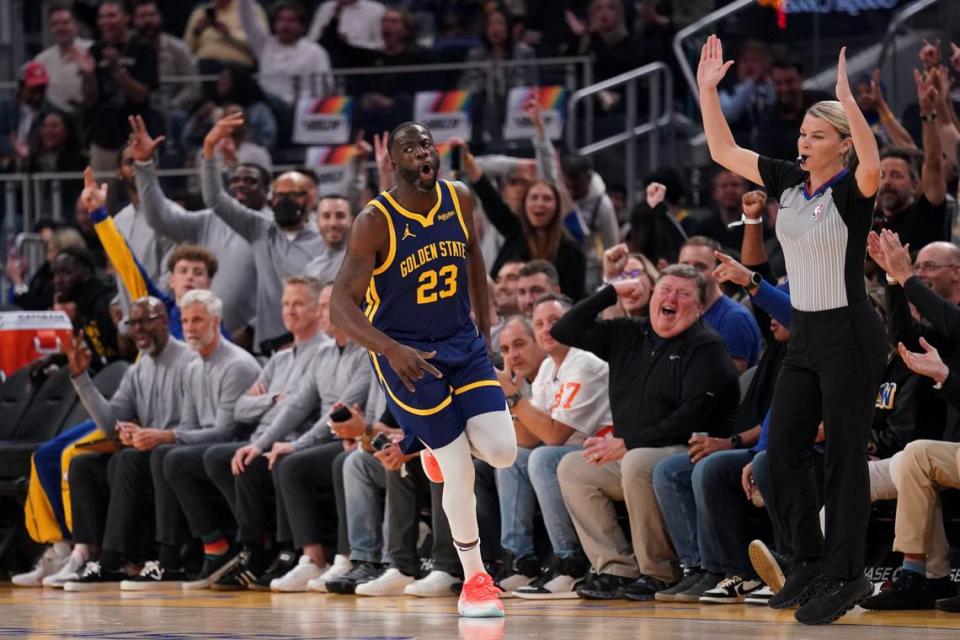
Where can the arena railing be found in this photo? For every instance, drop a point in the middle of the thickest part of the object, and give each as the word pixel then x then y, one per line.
pixel 659 113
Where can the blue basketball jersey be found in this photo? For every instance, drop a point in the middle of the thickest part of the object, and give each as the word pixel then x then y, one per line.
pixel 420 292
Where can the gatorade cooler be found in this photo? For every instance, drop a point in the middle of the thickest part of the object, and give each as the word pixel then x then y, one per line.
pixel 28 335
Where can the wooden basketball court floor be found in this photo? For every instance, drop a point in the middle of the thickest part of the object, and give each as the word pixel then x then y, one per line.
pixel 207 615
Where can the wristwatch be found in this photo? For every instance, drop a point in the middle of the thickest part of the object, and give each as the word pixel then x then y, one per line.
pixel 736 441
pixel 513 399
pixel 755 280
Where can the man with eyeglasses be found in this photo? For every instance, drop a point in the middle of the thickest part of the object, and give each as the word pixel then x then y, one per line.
pixel 109 492
pixel 282 246
pixel 248 185
pixel 733 321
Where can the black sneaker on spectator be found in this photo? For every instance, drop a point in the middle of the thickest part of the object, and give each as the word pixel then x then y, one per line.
pixel 950 605
pixel 603 586
pixel 281 565
pixel 643 588
pixel 909 590
pixel 522 573
pixel 760 597
pixel 798 587
pixel 557 584
pixel 732 590
pixel 153 577
pixel 360 573
pixel 242 576
pixel 831 598
pixel 769 565
pixel 706 582
pixel 214 568
pixel 691 575
pixel 93 578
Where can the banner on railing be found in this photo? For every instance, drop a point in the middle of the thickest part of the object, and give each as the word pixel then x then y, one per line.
pixel 553 109
pixel 445 113
pixel 332 165
pixel 323 120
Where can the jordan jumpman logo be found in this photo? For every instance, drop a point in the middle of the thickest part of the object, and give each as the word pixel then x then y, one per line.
pixel 406 233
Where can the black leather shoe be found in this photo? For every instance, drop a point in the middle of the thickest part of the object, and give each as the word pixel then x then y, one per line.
pixel 643 588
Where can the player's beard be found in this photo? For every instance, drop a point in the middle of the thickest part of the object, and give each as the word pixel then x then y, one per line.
pixel 414 177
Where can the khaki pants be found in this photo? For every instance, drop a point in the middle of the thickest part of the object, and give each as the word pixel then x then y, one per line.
pixel 927 466
pixel 589 491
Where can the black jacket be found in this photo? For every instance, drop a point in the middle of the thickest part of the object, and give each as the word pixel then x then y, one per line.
pixel 661 391
pixel 93 318
pixel 941 328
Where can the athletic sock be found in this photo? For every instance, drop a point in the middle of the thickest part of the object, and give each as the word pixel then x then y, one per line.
pixel 170 557
pixel 215 545
pixel 469 557
pixel 917 566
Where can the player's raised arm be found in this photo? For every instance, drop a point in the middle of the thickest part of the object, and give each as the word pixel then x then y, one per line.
pixel 476 269
pixel 368 236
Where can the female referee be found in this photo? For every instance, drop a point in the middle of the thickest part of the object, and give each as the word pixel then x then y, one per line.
pixel 837 353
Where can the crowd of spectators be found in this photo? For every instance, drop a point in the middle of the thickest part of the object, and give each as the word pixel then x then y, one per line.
pixel 620 334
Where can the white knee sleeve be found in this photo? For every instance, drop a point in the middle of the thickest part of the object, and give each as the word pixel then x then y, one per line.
pixel 493 438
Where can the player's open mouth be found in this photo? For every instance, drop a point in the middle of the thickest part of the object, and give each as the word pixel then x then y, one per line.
pixel 803 158
pixel 426 170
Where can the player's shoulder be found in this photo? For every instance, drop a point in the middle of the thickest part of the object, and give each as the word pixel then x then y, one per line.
pixel 462 190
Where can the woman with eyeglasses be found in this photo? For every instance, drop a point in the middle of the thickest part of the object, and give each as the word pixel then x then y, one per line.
pixel 636 275
pixel 836 356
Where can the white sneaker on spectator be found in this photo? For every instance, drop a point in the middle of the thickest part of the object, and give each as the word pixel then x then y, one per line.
pixel 69 571
pixel 732 590
pixel 552 585
pixel 435 585
pixel 513 582
pixel 52 560
pixel 391 583
pixel 341 565
pixel 297 579
pixel 760 597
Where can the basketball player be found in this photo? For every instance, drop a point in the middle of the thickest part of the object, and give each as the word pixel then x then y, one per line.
pixel 413 263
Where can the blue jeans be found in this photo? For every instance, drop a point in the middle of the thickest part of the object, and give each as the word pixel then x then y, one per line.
pixel 364 485
pixel 672 482
pixel 533 478
pixel 722 513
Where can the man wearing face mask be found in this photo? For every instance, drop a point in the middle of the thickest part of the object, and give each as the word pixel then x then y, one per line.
pixel 282 247
pixel 248 185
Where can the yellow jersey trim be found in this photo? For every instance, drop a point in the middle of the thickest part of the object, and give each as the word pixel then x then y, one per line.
pixel 392 251
pixel 373 300
pixel 456 207
pixel 417 412
pixel 475 385
pixel 426 220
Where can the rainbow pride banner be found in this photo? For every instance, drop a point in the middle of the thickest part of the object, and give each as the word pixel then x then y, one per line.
pixel 323 120
pixel 445 113
pixel 333 165
pixel 553 109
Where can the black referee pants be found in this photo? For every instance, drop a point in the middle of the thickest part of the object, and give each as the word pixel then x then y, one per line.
pixel 832 372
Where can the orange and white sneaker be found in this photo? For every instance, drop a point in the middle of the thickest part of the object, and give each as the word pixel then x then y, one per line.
pixel 431 467
pixel 480 598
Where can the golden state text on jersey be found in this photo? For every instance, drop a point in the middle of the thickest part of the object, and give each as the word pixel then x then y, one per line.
pixel 419 292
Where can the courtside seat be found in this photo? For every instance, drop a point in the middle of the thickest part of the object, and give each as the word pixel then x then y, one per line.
pixel 15 395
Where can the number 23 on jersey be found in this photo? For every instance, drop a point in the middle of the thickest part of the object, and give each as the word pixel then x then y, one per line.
pixel 436 285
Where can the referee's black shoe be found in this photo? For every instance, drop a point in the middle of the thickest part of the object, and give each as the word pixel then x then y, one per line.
pixel 831 598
